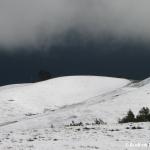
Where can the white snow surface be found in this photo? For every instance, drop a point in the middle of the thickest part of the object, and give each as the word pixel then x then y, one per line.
pixel 34 116
pixel 59 92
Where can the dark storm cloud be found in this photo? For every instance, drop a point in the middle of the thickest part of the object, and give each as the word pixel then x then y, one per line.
pixel 22 22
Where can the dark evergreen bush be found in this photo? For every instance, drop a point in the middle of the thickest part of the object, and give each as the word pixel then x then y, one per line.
pixel 143 116
pixel 44 75
pixel 129 118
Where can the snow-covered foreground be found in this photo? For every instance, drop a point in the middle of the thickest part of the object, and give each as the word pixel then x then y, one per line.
pixel 36 116
pixel 88 137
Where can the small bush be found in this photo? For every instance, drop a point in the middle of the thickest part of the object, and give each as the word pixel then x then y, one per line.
pixel 76 124
pixel 98 121
pixel 144 115
pixel 133 128
pixel 138 127
pixel 129 118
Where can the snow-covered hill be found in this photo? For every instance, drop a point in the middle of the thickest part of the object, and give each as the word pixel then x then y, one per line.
pixel 18 100
pixel 60 91
pixel 37 106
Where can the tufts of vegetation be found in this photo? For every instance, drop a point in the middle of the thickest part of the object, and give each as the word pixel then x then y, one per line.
pixel 143 116
pixel 96 122
pixel 99 121
pixel 76 124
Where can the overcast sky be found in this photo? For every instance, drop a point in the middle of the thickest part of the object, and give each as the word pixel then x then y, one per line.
pixel 22 22
pixel 74 37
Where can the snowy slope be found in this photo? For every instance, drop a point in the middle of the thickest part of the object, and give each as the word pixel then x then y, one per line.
pixel 16 100
pixel 77 98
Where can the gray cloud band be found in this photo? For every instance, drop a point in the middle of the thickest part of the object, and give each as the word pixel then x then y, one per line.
pixel 22 22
